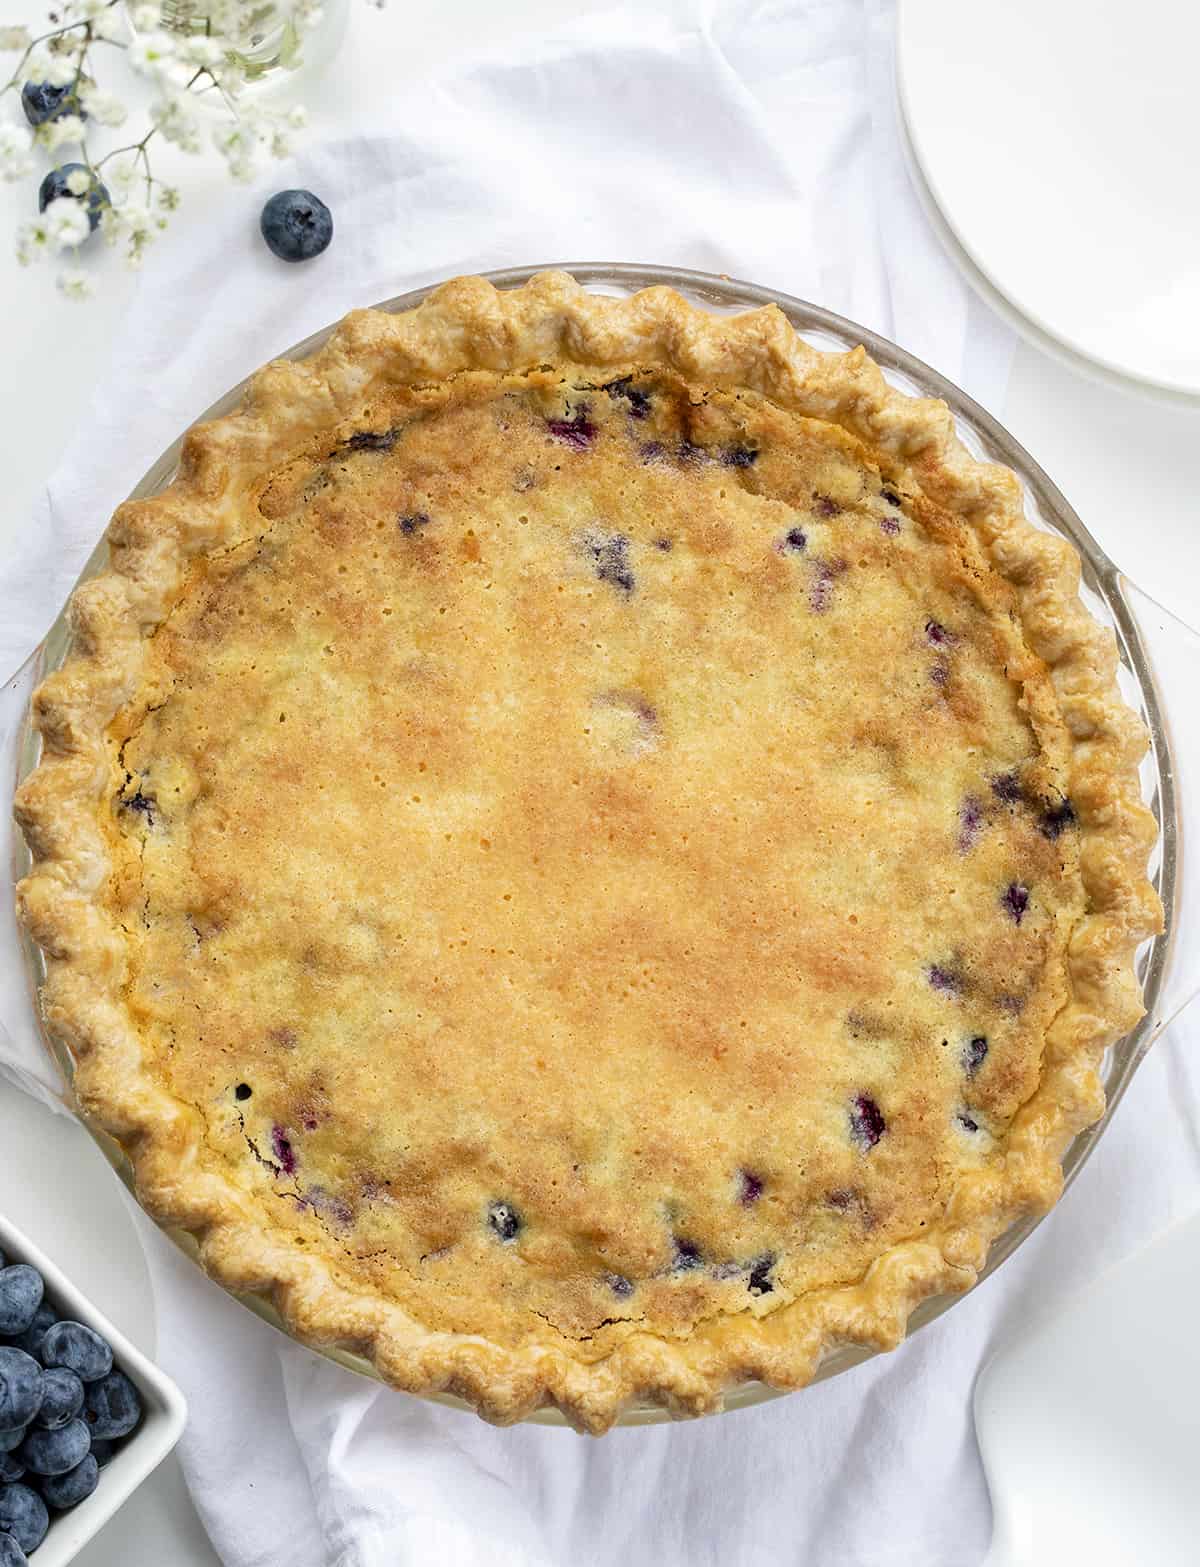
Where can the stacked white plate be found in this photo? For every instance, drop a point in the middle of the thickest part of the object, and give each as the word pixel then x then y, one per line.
pixel 1054 143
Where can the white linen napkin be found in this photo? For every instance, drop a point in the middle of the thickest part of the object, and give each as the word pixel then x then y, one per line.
pixel 753 139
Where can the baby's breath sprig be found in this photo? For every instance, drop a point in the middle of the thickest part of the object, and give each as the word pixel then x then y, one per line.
pixel 196 55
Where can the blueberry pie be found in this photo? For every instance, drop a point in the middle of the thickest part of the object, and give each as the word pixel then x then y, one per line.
pixel 588 848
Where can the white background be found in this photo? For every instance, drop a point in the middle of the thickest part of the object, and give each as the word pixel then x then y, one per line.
pixel 1131 468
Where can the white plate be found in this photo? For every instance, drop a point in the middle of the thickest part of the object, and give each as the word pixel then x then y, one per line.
pixel 164 1411
pixel 1057 138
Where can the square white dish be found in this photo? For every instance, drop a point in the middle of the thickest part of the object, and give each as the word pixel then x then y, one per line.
pixel 164 1410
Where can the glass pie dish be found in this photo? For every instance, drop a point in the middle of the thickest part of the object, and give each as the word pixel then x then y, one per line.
pixel 1158 655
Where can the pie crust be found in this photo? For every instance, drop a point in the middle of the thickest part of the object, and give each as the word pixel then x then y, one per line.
pixel 588 849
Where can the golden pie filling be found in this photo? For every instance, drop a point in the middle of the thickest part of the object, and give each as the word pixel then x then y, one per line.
pixel 595 855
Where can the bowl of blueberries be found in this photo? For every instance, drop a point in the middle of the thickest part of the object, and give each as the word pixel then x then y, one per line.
pixel 84 1416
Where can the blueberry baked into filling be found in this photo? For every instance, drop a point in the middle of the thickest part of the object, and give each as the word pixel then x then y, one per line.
pixel 589 848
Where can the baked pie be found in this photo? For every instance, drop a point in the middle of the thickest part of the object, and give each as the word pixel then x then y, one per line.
pixel 588 849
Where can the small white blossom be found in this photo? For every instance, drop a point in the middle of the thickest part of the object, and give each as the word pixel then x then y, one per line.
pixel 297 117
pixel 176 121
pixel 202 51
pixel 236 143
pixel 14 38
pixel 66 223
pixel 79 182
pixel 104 107
pixel 43 66
pixel 33 242
pixel 15 148
pixel 57 133
pixel 74 284
pixel 156 55
pixel 110 26
pixel 168 197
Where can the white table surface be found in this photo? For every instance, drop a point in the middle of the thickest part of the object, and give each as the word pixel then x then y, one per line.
pixel 1128 467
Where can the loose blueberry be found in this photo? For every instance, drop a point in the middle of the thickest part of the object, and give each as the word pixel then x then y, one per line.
pixel 795 540
pixel 750 1188
pixel 1052 824
pixel 687 1256
pixel 609 554
pixel 412 521
pixel 242 1091
pixel 296 225
pixel 31 1340
pixel 825 506
pixel 23 1515
pixel 41 102
pixel 1007 787
pixel 974 1053
pixel 578 432
pixel 11 1554
pixel 281 1147
pixel 54 1452
pixel 79 1348
pixel 760 1282
pixel 102 1451
pixel 55 185
pixel 1015 900
pixel 739 457
pixel 11 1439
pixel 11 1468
pixel 621 1287
pixel 504 1219
pixel 867 1125
pixel 62 1398
pixel 20 1388
pixel 20 1296
pixel 68 1490
pixel 637 400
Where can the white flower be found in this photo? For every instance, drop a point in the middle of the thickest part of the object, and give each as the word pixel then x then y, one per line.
pixel 74 284
pixel 57 133
pixel 79 182
pixel 145 18
pixel 176 121
pixel 43 66
pixel 156 55
pixel 14 38
pixel 15 149
pixel 236 143
pixel 110 26
pixel 32 242
pixel 168 197
pixel 202 51
pixel 104 107
pixel 66 223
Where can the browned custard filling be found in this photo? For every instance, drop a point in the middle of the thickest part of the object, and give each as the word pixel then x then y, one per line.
pixel 596 853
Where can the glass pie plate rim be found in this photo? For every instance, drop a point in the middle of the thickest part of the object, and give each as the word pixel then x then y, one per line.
pixel 1106 593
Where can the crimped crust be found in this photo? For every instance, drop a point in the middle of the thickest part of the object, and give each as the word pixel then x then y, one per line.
pixel 67 902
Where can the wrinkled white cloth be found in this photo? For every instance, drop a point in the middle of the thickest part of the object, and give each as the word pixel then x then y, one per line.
pixel 753 139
